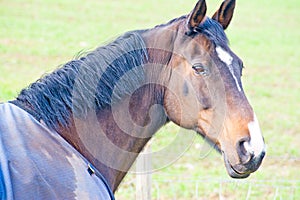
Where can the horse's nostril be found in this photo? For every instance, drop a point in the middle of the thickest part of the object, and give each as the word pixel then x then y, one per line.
pixel 243 150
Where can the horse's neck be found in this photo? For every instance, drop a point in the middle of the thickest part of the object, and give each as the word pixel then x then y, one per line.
pixel 161 39
pixel 112 138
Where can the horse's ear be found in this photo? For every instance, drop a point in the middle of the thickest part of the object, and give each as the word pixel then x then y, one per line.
pixel 225 13
pixel 197 15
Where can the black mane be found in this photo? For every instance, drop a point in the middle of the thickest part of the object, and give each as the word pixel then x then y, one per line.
pixel 88 82
pixel 210 28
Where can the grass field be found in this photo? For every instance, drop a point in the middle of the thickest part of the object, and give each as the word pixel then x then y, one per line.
pixel 36 36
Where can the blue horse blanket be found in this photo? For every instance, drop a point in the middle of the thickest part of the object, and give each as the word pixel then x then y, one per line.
pixel 37 163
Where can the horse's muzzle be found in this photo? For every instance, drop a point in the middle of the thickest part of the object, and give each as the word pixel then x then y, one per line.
pixel 243 170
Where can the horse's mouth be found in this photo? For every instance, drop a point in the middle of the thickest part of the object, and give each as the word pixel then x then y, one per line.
pixel 233 173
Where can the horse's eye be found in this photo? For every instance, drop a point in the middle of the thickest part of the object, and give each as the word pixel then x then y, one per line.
pixel 200 70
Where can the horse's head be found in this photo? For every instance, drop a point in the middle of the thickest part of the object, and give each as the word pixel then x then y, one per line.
pixel 205 90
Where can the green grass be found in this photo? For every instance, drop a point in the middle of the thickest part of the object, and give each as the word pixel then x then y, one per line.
pixel 37 36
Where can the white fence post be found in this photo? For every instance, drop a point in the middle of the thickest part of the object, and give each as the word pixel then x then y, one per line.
pixel 143 175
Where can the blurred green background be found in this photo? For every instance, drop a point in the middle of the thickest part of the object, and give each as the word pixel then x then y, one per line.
pixel 36 36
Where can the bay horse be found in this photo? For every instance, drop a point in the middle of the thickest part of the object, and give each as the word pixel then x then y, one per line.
pixel 75 132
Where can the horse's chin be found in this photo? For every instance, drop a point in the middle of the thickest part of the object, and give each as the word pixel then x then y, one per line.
pixel 232 172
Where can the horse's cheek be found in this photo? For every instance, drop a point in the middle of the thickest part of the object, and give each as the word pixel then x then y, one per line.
pixel 180 111
pixel 172 107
